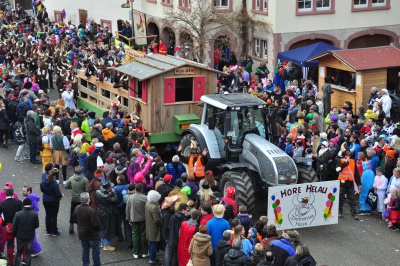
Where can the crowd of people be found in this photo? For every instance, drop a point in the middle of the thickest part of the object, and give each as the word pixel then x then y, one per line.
pixel 121 187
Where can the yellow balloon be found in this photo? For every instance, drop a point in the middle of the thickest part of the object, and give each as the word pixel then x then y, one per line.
pixel 1 166
pixel 326 210
pixel 280 216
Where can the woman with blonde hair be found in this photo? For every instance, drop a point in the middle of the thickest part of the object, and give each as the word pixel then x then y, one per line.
pixel 247 247
pixel 59 144
pixel 46 153
pixel 203 195
pixel 302 257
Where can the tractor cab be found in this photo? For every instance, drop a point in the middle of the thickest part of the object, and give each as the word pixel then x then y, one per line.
pixel 232 117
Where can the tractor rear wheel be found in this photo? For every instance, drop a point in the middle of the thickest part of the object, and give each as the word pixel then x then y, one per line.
pixel 241 181
pixel 306 174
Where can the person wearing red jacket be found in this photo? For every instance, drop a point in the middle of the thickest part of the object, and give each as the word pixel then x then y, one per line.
pixel 228 199
pixel 162 48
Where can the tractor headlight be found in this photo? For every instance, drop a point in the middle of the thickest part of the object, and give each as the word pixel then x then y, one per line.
pixel 293 177
pixel 282 178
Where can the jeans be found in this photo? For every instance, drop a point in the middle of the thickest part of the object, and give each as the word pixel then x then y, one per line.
pixel 153 251
pixel 51 208
pixel 20 248
pixel 139 241
pixel 169 253
pixel 95 245
pixel 21 149
pixel 71 215
pixel 32 150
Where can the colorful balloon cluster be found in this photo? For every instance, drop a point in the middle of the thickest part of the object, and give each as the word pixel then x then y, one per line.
pixel 329 204
pixel 277 210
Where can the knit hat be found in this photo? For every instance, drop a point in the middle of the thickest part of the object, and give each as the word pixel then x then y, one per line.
pixel 391 153
pixel 205 185
pixel 230 191
pixel 27 202
pixel 167 178
pixel 109 160
pixel 334 118
pixel 325 143
pixel 186 190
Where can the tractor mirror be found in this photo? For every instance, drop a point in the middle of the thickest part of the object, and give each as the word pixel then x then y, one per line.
pixel 211 122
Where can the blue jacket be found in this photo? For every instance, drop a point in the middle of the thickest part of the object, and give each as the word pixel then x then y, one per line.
pixel 356 150
pixel 51 191
pixel 245 221
pixel 22 109
pixel 374 163
pixel 121 191
pixel 175 174
pixel 216 227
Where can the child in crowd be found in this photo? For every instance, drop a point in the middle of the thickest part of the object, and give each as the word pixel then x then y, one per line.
pixel 258 254
pixel 394 217
pixel 309 156
pixel 252 236
pixel 245 219
pixel 380 184
pixel 298 149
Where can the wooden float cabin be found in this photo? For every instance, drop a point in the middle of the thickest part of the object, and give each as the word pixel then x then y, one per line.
pixel 164 90
pixel 372 67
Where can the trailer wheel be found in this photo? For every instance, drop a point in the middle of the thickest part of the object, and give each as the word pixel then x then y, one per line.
pixel 241 181
pixel 186 142
pixel 306 174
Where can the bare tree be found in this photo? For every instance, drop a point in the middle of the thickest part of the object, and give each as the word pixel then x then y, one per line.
pixel 200 19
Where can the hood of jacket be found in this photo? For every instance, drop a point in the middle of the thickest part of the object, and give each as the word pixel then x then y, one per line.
pixel 234 254
pixel 77 177
pixel 202 238
pixel 223 244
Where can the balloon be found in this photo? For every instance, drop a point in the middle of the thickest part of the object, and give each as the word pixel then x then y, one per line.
pixel 329 195
pixel 280 216
pixel 326 210
pixel 334 190
pixel 325 216
pixel 329 214
pixel 278 202
pixel 273 197
pixel 333 198
pixel 328 204
pixel 278 210
pixel 276 221
pixel 274 206
pixel 1 166
pixel 280 221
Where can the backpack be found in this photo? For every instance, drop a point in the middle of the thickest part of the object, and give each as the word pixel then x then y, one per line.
pixel 72 157
pixel 19 134
pixel 39 144
pixel 306 260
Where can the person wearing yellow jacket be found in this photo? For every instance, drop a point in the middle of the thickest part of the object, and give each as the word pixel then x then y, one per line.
pixel 108 132
pixel 349 183
pixel 370 113
pixel 46 153
pixel 86 129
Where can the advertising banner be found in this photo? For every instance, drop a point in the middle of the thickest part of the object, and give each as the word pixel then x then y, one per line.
pixel 303 205
pixel 139 26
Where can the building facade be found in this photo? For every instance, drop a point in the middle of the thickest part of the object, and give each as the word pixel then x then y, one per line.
pixel 292 23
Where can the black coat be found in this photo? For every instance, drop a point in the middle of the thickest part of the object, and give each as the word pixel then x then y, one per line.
pixel 4 121
pixel 174 226
pixel 390 165
pixel 32 132
pixel 9 208
pixel 91 161
pixel 107 213
pixel 165 218
pixel 222 248
pixel 24 224
pixel 236 257
pixel 12 110
pixel 88 222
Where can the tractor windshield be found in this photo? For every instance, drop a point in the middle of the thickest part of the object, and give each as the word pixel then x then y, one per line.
pixel 246 120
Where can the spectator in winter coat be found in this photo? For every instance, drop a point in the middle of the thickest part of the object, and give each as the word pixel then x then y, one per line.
pixel 229 198
pixel 175 169
pixel 235 256
pixel 245 219
pixel 165 188
pixel 223 247
pixel 173 235
pixel 32 132
pixel 282 249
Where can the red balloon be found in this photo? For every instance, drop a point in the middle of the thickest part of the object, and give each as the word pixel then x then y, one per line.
pixel 278 202
pixel 329 195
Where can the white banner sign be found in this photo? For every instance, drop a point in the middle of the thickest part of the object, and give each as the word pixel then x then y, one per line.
pixel 303 205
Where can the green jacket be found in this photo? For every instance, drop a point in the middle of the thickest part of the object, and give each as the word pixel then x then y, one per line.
pixel 78 184
pixel 86 129
pixel 249 66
